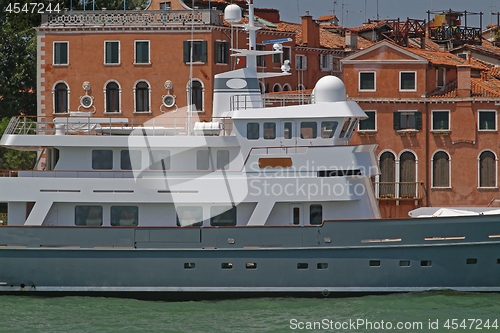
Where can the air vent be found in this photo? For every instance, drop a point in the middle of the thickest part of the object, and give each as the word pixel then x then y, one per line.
pixel 86 101
pixel 168 101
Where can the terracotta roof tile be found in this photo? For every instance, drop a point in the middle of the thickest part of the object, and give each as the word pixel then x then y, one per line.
pixel 326 18
pixel 367 27
pixel 480 87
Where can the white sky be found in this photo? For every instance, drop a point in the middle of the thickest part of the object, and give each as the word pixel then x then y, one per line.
pixel 354 10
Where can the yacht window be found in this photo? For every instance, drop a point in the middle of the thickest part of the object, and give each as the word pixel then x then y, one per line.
pixel 328 129
pixel 296 215
pixel 222 159
pixel 189 216
pixel 253 131
pixel 202 159
pixel 160 160
pixel 287 131
pixel 88 215
pixel 124 215
pixel 102 159
pixel 269 131
pixel 308 130
pixel 316 214
pixel 351 128
pixel 227 265
pixel 322 265
pixel 222 215
pixel 130 160
pixel 345 128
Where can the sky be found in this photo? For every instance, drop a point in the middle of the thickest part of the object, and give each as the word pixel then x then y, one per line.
pixel 354 10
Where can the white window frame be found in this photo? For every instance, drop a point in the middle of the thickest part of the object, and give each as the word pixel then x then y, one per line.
pixel 54 52
pixel 287 85
pixel 304 62
pixel 135 52
pixel 54 98
pixel 188 86
pixel 374 81
pixel 372 130
pixel 229 55
pixel 432 121
pixel 479 124
pixel 278 85
pixel 135 97
pixel 414 115
pixel 119 97
pixel 119 53
pixel 479 170
pixel 407 90
pixel 449 170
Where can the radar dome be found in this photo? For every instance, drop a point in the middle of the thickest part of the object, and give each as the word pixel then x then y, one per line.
pixel 329 89
pixel 232 14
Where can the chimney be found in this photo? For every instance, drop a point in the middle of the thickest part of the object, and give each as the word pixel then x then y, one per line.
pixel 351 40
pixel 463 81
pixel 310 31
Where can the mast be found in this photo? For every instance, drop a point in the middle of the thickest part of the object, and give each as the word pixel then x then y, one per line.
pixel 251 58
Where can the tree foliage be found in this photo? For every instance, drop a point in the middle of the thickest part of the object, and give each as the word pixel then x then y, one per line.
pixel 11 159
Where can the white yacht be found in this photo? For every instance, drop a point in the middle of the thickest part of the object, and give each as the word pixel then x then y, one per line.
pixel 261 200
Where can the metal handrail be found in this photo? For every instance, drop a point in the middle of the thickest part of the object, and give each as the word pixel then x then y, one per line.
pixel 399 190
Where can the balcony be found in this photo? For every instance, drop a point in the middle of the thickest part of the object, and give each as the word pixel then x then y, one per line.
pixel 132 18
pixel 399 191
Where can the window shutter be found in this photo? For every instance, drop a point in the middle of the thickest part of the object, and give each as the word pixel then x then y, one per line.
pixel 216 52
pixel 304 65
pixel 203 51
pixel 397 120
pixel 321 61
pixel 186 51
pixel 226 52
pixel 418 120
pixel 330 62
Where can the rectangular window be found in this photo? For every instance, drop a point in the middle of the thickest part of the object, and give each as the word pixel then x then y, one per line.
pixel 345 128
pixel 277 57
pixel 189 216
pixel 88 215
pixel 322 265
pixel 316 214
pixel 160 160
pixel 261 60
pixel 165 5
pixel 296 215
pixel 111 52
pixel 326 62
pixel 408 81
pixel 222 215
pixel 440 120
pixel 253 131
pixel 287 53
pixel 407 120
pixel 367 81
pixel 300 62
pixel 222 159
pixel 60 53
pixel 487 120
pixel 374 263
pixel 221 52
pixel 189 265
pixel 130 160
pixel 404 263
pixel 142 52
pixel 328 129
pixel 227 265
pixel 471 261
pixel 302 265
pixel 124 215
pixel 202 159
pixel 426 263
pixel 369 124
pixel 440 76
pixel 287 131
pixel 199 51
pixel 308 130
pixel 269 131
pixel 251 265
pixel 102 159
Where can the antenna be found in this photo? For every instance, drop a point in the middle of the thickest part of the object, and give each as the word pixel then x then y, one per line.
pixel 298 12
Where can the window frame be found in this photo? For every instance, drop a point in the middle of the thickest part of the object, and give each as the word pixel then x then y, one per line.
pixel 119 53
pixel 194 209
pixel 135 52
pixel 375 121
pixel 54 96
pixel 224 53
pixel 417 126
pixel 261 60
pixel 449 170
pixel 203 55
pixel 479 120
pixel 93 206
pixel 443 83
pixel 103 150
pixel 374 81
pixel 232 210
pixel 303 63
pixel 479 170
pixel 105 90
pixel 113 211
pixel 168 158
pixel 135 97
pixel 126 154
pixel 201 158
pixel 328 58
pixel 54 53
pixel 414 81
pixel 432 121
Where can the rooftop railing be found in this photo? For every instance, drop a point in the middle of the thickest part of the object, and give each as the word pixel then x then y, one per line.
pixel 120 18
pixel 244 102
pixel 178 126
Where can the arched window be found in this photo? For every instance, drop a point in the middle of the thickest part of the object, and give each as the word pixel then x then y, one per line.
pixel 387 175
pixel 112 91
pixel 277 87
pixel 407 175
pixel 287 87
pixel 142 97
pixel 300 87
pixel 196 95
pixel 441 169
pixel 61 92
pixel 487 169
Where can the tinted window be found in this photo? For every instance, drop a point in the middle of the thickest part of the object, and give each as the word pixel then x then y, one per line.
pixel 160 160
pixel 88 215
pixel 308 130
pixel 124 215
pixel 253 131
pixel 269 131
pixel 189 216
pixel 328 129
pixel 102 159
pixel 223 215
pixel 202 159
pixel 130 160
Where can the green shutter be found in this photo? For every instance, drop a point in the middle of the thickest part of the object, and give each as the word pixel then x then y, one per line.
pixel 418 120
pixel 226 52
pixel 203 51
pixel 216 52
pixel 397 120
pixel 186 51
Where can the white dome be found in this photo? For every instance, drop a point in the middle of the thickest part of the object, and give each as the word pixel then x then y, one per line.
pixel 329 89
pixel 232 14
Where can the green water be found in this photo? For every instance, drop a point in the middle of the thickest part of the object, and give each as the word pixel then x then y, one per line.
pixel 86 314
